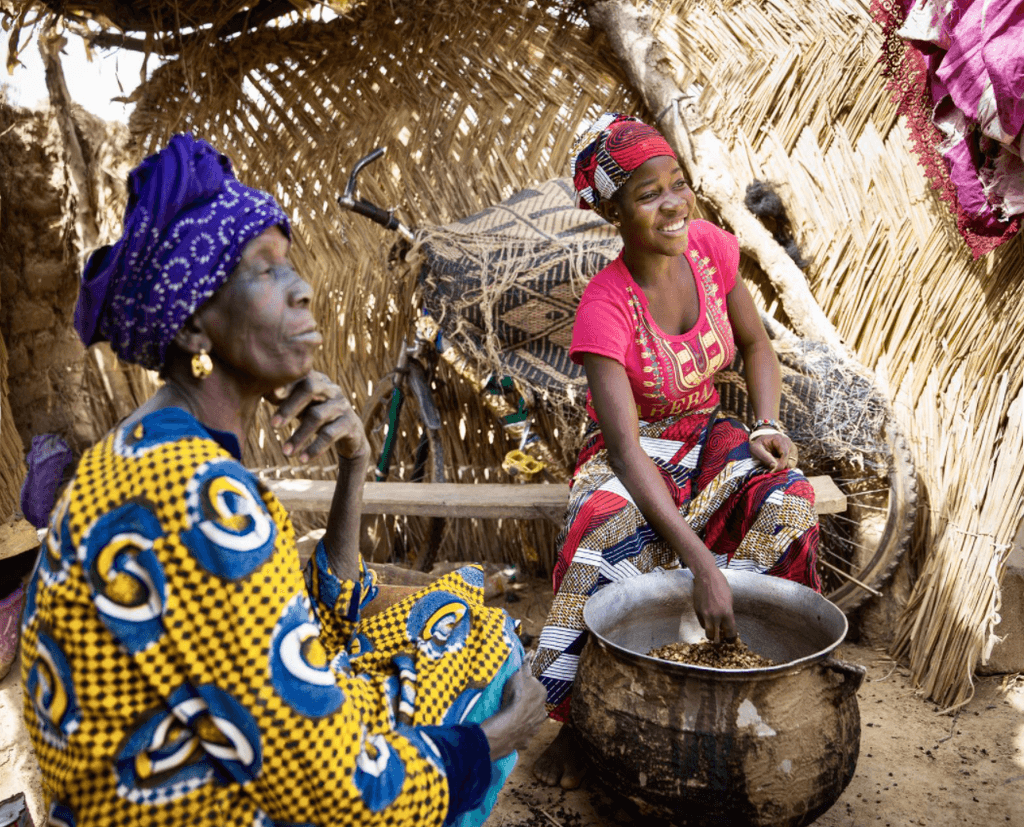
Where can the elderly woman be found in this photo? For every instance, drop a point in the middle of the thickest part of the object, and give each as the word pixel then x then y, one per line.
pixel 664 478
pixel 179 667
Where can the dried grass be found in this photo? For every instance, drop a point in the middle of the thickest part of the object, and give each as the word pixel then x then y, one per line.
pixel 477 99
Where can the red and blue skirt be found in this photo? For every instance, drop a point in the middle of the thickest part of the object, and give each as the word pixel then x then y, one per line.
pixel 749 518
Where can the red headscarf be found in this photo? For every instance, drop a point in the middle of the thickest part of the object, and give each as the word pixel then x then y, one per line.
pixel 608 152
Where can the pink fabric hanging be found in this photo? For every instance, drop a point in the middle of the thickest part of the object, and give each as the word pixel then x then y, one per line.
pixel 957 68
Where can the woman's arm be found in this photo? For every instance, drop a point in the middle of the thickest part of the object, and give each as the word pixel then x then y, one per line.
pixel 326 418
pixel 761 371
pixel 616 414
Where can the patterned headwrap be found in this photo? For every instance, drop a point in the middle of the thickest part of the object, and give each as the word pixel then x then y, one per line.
pixel 607 152
pixel 187 220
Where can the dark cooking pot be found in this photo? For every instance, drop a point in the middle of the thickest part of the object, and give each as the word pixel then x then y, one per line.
pixel 703 746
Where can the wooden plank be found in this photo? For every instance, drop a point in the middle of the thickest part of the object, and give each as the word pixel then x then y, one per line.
pixel 828 498
pixel 448 499
pixel 17 537
pixel 452 499
pixel 444 499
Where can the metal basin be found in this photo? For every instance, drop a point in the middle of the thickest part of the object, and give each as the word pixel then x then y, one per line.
pixel 701 746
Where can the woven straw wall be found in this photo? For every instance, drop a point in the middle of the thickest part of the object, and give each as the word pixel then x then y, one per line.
pixel 480 98
pixel 797 91
pixel 472 104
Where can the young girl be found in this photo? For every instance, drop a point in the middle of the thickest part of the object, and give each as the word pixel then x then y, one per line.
pixel 664 478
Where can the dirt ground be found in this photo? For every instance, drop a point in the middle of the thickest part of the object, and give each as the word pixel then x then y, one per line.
pixel 916 767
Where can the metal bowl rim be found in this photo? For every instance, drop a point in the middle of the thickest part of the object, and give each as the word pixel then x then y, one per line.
pixel 791 666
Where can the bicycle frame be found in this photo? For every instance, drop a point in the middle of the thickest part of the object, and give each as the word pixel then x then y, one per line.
pixel 532 453
pixel 410 367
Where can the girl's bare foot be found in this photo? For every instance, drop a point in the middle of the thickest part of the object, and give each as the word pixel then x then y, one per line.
pixel 563 762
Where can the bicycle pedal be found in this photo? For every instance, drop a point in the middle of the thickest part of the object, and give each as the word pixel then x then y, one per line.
pixel 521 465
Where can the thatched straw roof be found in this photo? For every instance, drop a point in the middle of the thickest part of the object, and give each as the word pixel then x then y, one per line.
pixel 478 99
pixel 156 17
pixel 162 27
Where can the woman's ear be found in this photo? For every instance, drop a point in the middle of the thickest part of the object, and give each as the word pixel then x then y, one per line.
pixel 609 211
pixel 192 338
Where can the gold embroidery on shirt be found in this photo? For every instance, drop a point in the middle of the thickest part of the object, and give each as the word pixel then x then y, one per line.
pixel 674 377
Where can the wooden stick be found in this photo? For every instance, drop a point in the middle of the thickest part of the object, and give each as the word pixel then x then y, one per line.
pixel 18 537
pixel 80 175
pixel 849 577
pixel 488 500
pixel 703 154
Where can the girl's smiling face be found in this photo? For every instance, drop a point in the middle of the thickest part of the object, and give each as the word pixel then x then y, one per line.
pixel 653 208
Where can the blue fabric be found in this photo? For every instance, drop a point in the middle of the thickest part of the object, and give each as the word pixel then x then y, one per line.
pixel 466 756
pixel 467 813
pixel 167 424
pixel 330 587
pixel 46 461
pixel 186 223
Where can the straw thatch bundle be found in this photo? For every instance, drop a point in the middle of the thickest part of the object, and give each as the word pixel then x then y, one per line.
pixel 143 16
pixel 477 99
pixel 472 104
pixel 161 27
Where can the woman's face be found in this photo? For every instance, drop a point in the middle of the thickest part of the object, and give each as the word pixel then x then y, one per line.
pixel 260 324
pixel 654 208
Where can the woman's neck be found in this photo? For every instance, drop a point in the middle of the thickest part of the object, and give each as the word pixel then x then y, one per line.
pixel 215 402
pixel 651 270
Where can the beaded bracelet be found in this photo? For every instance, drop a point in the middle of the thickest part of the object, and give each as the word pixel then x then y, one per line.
pixel 769 423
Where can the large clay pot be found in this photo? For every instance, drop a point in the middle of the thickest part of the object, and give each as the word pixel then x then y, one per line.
pixel 701 746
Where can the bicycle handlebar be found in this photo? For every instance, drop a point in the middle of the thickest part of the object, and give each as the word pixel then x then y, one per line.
pixel 386 218
pixel 350 187
pixel 347 201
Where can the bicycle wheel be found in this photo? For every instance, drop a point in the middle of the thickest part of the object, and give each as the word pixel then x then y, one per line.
pixel 862 545
pixel 858 548
pixel 404 432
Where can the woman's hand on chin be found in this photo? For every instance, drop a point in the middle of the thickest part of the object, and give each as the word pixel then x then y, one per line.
pixel 325 418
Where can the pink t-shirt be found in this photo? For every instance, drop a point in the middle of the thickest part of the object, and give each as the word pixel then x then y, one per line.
pixel 668 374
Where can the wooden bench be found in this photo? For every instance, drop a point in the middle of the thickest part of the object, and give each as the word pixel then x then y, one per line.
pixel 444 499
pixel 453 499
pixel 448 499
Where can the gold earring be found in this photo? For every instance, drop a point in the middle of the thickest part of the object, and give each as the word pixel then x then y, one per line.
pixel 202 364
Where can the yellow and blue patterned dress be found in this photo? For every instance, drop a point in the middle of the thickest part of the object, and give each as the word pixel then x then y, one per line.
pixel 180 668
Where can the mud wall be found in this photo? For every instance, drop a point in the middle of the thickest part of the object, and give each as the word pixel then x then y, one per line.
pixel 54 385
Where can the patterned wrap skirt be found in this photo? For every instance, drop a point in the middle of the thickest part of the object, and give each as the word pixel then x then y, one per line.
pixel 751 519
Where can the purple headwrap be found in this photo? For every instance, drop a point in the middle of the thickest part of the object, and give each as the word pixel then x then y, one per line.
pixel 187 220
pixel 607 153
pixel 47 460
